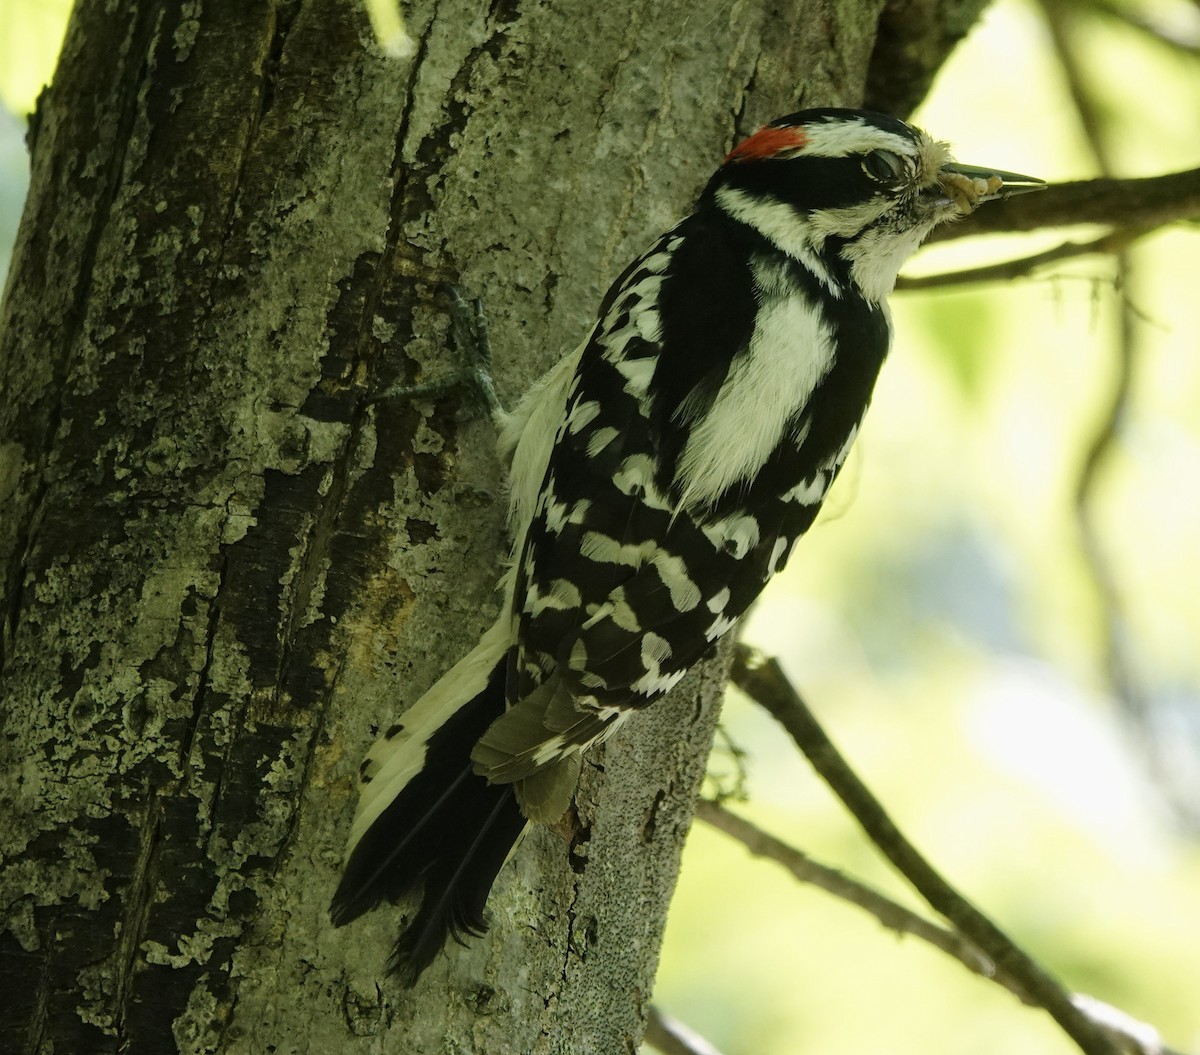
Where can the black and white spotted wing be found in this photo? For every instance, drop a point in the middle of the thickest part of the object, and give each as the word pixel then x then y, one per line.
pixel 617 595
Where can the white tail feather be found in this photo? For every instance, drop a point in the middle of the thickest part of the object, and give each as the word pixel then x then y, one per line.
pixel 393 762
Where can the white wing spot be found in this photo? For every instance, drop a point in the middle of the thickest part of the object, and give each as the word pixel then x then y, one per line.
pixel 637 373
pixel 718 601
pixel 777 553
pixel 646 290
pixel 617 610
pixel 719 627
pixel 808 492
pixel 736 535
pixel 685 594
pixel 582 414
pixel 655 650
pixel 556 516
pixel 649 325
pixel 562 596
pixel 635 477
pixel 841 455
pixel 604 550
pixel 653 684
pixel 600 439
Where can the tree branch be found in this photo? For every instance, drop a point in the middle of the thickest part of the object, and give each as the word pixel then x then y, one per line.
pixel 1132 207
pixel 1135 1036
pixel 911 44
pixel 1144 203
pixel 1172 36
pixel 763 679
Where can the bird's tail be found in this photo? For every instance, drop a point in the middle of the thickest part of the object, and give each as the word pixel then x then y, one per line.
pixel 425 820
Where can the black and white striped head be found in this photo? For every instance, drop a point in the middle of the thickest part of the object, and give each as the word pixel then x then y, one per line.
pixel 851 193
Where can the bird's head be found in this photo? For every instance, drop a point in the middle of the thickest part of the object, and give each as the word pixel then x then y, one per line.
pixel 851 193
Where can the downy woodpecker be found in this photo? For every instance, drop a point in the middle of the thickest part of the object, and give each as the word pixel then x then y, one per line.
pixel 660 475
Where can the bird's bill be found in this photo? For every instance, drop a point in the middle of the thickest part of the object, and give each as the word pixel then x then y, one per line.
pixel 1000 184
pixel 966 186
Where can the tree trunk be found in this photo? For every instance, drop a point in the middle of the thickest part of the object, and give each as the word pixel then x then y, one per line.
pixel 225 569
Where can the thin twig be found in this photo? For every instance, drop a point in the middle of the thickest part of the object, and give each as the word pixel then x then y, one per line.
pixel 1113 242
pixel 1103 443
pixel 671 1037
pixel 1098 451
pixel 764 681
pixel 1137 1036
pixel 889 913
pixel 1059 20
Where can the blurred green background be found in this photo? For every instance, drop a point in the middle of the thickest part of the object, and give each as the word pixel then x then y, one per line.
pixel 1030 715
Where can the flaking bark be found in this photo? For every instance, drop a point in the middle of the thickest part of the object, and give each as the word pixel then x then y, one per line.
pixel 224 569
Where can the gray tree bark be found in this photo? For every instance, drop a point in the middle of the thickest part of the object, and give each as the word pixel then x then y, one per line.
pixel 224 569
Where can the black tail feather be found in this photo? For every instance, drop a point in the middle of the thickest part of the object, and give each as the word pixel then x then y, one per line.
pixel 448 832
pixel 452 906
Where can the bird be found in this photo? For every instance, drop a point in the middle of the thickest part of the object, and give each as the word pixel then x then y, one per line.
pixel 659 476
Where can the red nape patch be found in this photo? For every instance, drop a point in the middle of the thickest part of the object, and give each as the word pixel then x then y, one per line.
pixel 767 142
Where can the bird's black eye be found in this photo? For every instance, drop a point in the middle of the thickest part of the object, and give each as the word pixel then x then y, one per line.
pixel 883 166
